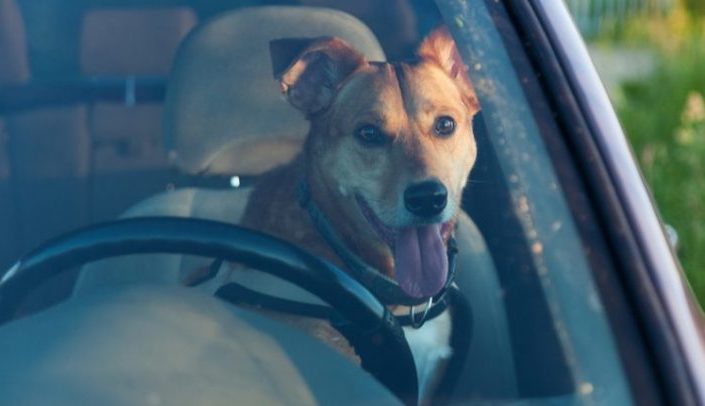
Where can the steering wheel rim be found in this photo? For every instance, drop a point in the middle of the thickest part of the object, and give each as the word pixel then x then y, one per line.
pixel 378 338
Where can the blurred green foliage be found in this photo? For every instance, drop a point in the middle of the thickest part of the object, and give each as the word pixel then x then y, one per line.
pixel 664 118
pixel 696 8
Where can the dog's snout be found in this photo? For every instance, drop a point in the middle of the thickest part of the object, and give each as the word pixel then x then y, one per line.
pixel 426 199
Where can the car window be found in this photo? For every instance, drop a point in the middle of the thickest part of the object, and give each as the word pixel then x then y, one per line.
pixel 553 261
pixel 175 108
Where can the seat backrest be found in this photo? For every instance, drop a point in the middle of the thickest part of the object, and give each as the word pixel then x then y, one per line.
pixel 8 222
pixel 224 112
pixel 14 64
pixel 127 137
pixel 133 41
pixel 124 44
pixel 74 164
pixel 221 100
pixel 14 70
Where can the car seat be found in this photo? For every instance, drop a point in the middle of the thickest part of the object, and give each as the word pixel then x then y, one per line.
pixel 14 70
pixel 45 154
pixel 69 157
pixel 224 115
pixel 152 345
pixel 128 45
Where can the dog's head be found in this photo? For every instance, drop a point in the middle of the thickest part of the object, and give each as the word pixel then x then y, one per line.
pixel 391 145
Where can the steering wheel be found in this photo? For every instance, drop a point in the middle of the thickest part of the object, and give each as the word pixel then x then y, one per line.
pixel 370 327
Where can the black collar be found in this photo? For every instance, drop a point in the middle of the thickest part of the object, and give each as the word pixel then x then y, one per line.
pixel 239 294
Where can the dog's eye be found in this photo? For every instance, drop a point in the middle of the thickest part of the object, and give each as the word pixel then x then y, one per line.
pixel 444 126
pixel 370 135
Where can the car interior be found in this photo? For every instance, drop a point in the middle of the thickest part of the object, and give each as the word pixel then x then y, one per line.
pixel 127 108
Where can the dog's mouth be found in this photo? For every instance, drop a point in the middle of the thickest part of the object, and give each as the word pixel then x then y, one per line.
pixel 420 257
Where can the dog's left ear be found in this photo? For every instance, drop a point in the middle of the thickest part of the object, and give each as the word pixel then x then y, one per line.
pixel 309 70
pixel 439 47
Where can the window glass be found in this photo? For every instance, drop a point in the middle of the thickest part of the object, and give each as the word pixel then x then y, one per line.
pixel 170 108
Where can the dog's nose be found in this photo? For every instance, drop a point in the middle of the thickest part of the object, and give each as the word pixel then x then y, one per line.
pixel 426 199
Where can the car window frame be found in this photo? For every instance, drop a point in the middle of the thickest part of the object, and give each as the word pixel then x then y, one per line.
pixel 662 306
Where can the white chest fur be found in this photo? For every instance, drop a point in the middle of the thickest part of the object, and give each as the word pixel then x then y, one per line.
pixel 430 345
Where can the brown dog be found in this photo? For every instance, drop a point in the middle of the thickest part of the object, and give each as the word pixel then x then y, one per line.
pixel 388 154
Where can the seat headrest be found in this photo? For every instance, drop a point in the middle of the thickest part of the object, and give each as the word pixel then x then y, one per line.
pixel 14 63
pixel 133 41
pixel 224 110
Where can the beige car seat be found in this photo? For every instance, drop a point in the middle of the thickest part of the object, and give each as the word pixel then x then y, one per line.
pixel 224 115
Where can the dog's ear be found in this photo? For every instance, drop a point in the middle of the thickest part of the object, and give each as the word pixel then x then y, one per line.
pixel 310 70
pixel 439 47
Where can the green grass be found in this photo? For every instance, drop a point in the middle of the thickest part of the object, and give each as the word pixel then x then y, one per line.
pixel 669 140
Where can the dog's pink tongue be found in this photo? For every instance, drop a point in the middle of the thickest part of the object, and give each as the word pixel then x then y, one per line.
pixel 420 260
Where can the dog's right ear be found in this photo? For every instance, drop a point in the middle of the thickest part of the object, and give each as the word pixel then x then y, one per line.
pixel 439 46
pixel 309 70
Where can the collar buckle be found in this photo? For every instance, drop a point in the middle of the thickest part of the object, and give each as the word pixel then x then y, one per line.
pixel 417 324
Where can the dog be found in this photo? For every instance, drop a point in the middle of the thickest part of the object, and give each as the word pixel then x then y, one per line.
pixel 388 154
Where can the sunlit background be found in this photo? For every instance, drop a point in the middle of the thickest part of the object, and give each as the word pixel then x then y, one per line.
pixel 651 56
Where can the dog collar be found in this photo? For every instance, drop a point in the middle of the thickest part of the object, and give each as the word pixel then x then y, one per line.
pixel 238 293
pixel 384 288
